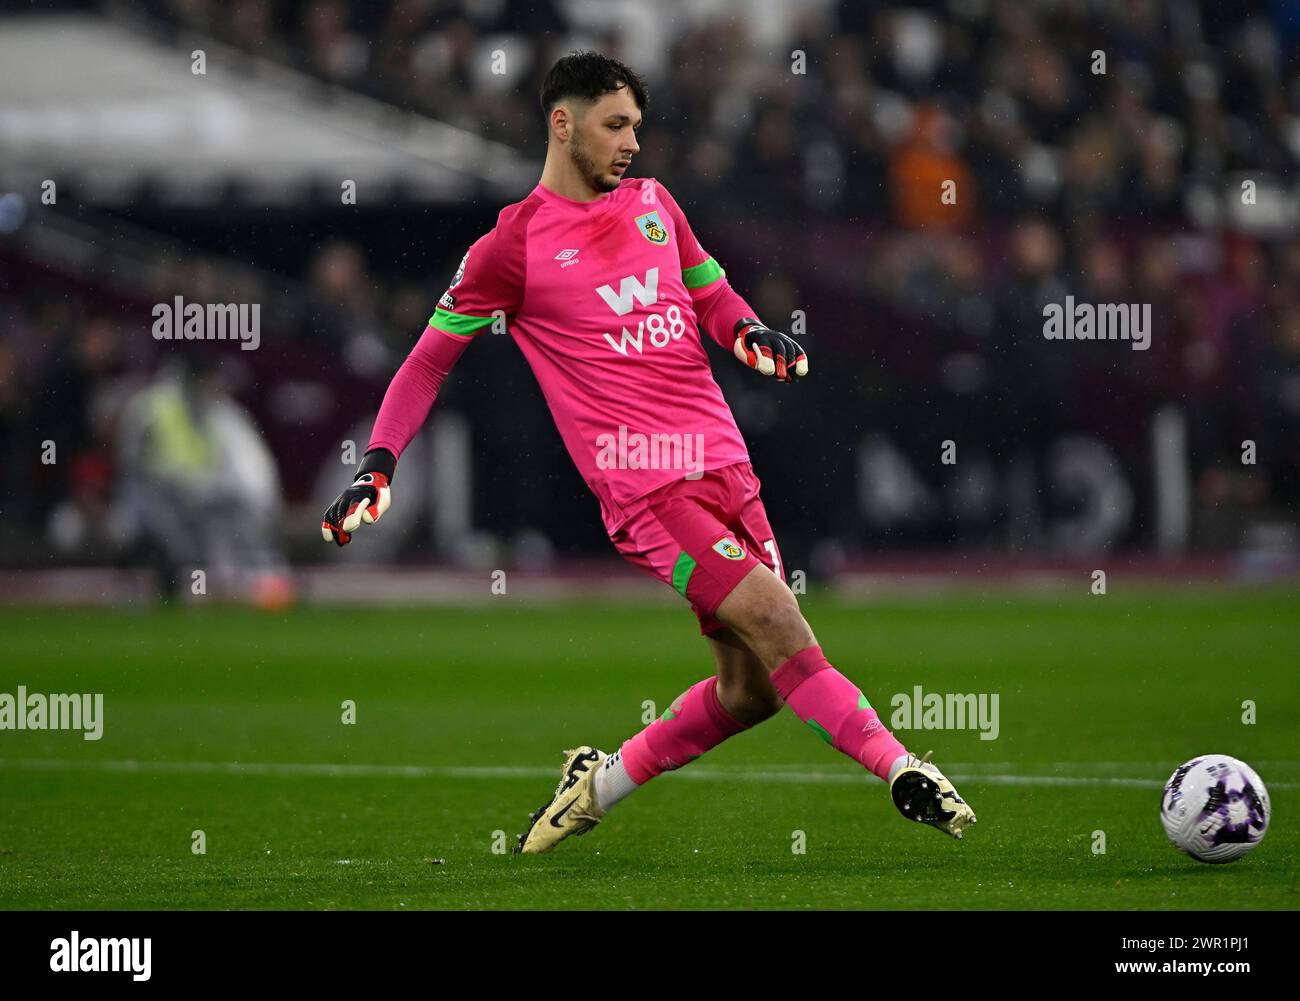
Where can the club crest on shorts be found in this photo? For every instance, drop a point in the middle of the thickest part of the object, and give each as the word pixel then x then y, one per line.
pixel 652 228
pixel 726 546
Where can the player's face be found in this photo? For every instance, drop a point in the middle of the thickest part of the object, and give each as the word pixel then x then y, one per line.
pixel 604 142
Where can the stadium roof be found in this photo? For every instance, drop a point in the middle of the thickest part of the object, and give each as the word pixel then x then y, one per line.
pixel 108 108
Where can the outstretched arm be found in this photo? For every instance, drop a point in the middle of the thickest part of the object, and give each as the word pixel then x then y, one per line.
pixel 723 314
pixel 406 404
pixel 414 388
pixel 487 283
pixel 767 351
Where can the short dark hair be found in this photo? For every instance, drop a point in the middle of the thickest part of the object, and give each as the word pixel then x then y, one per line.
pixel 589 76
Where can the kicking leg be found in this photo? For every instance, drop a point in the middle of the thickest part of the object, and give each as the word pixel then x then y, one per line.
pixel 720 706
pixel 765 615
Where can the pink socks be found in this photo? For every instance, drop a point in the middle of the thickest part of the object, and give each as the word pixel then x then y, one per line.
pixel 693 724
pixel 834 707
pixel 819 695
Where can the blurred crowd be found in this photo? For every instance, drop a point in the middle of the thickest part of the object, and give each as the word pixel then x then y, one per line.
pixel 820 134
pixel 1118 108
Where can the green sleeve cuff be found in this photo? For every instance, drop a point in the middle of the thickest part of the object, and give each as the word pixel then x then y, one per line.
pixel 702 274
pixel 458 324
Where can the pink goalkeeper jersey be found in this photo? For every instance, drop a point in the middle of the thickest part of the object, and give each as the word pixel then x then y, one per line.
pixel 602 299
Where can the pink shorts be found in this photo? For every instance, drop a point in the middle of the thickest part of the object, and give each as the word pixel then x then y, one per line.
pixel 701 537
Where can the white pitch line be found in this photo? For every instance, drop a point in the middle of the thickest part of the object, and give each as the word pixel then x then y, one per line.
pixel 530 772
pixel 270 768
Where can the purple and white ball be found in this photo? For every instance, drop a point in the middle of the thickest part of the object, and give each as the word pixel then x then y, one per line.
pixel 1215 808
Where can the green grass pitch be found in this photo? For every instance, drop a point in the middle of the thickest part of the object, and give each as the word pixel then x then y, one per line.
pixel 229 722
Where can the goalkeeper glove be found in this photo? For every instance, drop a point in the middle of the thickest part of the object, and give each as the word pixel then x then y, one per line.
pixel 363 502
pixel 768 351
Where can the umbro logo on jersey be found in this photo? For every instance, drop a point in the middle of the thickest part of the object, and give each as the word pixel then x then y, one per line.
pixel 569 256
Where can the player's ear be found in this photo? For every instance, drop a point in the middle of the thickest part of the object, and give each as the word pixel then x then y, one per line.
pixel 561 122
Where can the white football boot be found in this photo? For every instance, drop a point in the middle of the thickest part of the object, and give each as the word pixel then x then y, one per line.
pixel 923 793
pixel 572 810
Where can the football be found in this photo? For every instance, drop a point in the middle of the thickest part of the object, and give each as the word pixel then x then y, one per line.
pixel 1215 808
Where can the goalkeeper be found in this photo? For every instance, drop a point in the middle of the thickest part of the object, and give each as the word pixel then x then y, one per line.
pixel 604 286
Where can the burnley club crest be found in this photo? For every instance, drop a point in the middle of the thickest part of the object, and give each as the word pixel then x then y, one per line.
pixel 652 228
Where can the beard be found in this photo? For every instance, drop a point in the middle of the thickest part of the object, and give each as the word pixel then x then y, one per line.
pixel 595 176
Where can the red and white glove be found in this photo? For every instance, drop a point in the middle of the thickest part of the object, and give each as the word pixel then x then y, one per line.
pixel 769 352
pixel 362 503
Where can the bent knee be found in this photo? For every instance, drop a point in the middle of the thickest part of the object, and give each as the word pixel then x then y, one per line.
pixel 768 702
pixel 756 701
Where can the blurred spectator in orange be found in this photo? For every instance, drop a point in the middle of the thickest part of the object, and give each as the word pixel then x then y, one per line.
pixel 931 184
